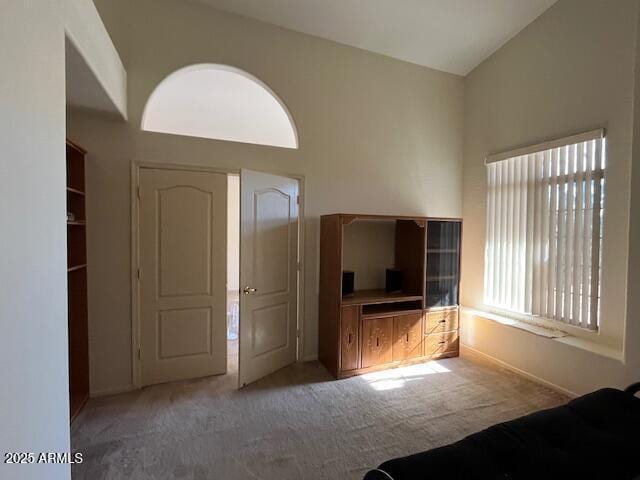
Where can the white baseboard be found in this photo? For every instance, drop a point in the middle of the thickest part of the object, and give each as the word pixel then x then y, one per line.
pixel 111 391
pixel 470 352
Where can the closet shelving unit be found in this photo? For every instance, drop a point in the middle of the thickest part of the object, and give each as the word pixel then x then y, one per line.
pixel 77 280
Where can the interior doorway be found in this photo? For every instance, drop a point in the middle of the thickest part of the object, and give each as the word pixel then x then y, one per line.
pixel 218 272
pixel 233 273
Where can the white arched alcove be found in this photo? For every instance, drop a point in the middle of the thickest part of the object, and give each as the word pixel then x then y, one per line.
pixel 222 103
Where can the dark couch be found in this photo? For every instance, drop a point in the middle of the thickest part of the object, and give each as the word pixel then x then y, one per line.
pixel 592 437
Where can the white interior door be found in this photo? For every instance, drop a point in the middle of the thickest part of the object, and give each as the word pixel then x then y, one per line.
pixel 268 274
pixel 183 268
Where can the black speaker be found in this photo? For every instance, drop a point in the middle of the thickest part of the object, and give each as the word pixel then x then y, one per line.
pixel 348 278
pixel 394 280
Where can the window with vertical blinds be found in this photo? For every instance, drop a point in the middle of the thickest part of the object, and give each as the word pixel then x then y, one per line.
pixel 545 209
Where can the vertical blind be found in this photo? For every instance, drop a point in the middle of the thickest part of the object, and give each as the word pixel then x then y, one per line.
pixel 544 232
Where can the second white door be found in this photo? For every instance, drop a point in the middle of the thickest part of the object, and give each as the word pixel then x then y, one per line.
pixel 268 274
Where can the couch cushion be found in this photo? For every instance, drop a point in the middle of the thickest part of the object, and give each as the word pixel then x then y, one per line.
pixel 592 437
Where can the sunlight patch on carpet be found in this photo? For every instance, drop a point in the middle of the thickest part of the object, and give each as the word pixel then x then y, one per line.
pixel 395 378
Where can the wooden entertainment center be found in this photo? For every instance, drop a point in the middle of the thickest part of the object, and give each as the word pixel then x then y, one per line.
pixel 373 328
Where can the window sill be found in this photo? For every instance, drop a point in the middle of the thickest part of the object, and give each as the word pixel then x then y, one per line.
pixel 539 330
pixel 549 333
pixel 593 347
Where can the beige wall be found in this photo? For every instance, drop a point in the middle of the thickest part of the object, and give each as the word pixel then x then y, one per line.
pixel 84 28
pixel 369 249
pixel 34 402
pixel 34 393
pixel 571 70
pixel 632 334
pixel 376 136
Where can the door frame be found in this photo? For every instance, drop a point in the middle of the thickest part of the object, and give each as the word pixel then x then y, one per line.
pixel 136 166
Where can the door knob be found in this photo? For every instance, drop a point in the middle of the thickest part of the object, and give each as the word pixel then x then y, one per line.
pixel 247 290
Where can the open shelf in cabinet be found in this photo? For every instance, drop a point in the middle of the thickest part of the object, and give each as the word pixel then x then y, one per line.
pixel 390 309
pixel 377 296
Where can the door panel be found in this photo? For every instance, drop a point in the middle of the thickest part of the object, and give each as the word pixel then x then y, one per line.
pixel 269 328
pixel 184 332
pixel 272 254
pixel 268 274
pixel 377 341
pixel 182 243
pixel 407 337
pixel 349 342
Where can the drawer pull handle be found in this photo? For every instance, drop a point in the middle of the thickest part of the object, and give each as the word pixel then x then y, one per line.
pixel 442 343
pixel 443 321
pixel 377 341
pixel 349 341
pixel 407 338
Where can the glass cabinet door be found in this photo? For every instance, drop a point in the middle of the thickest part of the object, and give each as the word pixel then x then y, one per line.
pixel 443 263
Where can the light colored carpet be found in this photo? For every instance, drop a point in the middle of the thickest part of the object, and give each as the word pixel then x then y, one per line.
pixel 297 424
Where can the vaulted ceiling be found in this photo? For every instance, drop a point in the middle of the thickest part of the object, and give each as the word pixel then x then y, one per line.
pixel 449 35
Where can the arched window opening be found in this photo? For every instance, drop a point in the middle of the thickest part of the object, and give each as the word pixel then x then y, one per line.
pixel 221 103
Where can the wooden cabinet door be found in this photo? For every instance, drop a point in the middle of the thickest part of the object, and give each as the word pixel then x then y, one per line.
pixel 407 337
pixel 349 326
pixel 377 341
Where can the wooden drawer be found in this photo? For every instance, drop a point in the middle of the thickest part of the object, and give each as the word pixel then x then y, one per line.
pixel 441 344
pixel 441 321
pixel 407 337
pixel 349 344
pixel 377 341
